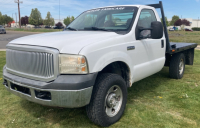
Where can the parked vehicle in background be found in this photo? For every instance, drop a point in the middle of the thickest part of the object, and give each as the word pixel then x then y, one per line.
pixel 187 29
pixel 171 29
pixel 47 27
pixel 2 29
pixel 58 27
pixel 37 27
pixel 93 62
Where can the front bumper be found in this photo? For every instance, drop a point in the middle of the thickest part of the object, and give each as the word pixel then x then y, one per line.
pixel 70 91
pixel 2 31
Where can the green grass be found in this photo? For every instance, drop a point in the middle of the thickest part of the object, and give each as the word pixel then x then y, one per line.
pixel 155 102
pixel 184 36
pixel 34 30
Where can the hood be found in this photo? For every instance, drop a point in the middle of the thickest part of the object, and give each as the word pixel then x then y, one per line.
pixel 66 41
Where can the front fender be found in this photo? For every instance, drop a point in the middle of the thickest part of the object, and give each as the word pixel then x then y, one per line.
pixel 110 58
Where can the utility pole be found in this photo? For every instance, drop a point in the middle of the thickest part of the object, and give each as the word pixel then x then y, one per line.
pixel 19 2
pixel 16 19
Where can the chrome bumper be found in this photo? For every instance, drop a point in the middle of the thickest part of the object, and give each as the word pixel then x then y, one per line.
pixel 58 98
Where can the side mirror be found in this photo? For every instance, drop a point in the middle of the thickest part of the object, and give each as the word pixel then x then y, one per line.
pixel 155 32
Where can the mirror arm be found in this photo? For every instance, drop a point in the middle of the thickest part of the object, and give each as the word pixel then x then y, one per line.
pixel 141 29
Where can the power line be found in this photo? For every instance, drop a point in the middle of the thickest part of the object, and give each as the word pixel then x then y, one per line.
pixel 21 7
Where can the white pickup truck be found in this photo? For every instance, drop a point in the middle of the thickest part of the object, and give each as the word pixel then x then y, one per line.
pixel 94 60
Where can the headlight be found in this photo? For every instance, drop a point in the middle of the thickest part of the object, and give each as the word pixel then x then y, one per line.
pixel 72 64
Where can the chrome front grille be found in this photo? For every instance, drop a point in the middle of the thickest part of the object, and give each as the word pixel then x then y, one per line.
pixel 38 65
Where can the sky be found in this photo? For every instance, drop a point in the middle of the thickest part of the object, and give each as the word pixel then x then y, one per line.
pixel 182 8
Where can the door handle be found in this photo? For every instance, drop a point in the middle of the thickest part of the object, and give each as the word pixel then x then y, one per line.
pixel 162 44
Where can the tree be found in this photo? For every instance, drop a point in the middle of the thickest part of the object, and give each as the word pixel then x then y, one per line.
pixel 35 17
pixel 1 19
pixel 72 18
pixel 178 22
pixel 59 24
pixel 67 21
pixel 174 19
pixel 24 20
pixel 49 21
pixel 7 19
pixel 185 22
pixel 167 23
pixel 182 23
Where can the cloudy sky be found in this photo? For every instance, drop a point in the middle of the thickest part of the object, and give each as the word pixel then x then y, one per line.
pixel 184 8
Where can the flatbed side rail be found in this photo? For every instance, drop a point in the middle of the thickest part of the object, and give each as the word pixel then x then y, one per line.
pixel 160 5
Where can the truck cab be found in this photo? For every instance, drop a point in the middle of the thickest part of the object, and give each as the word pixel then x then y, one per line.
pixel 93 62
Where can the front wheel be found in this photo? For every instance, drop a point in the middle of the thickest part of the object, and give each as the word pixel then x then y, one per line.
pixel 108 100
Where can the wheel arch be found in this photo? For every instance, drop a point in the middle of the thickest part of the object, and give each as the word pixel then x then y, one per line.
pixel 121 68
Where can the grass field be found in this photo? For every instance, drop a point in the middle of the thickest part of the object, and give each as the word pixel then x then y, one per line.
pixel 183 36
pixel 156 101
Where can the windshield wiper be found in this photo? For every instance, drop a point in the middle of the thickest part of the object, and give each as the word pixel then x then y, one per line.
pixel 72 29
pixel 96 28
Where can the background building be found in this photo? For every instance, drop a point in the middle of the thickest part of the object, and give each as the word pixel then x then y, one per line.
pixel 193 23
pixel 61 20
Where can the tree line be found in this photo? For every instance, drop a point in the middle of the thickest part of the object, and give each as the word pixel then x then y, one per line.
pixel 176 21
pixel 35 18
pixel 4 19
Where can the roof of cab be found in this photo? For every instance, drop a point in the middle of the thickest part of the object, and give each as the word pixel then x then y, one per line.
pixel 117 6
pixel 120 6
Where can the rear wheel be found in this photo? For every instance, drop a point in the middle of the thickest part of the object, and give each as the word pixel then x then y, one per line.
pixel 177 66
pixel 108 100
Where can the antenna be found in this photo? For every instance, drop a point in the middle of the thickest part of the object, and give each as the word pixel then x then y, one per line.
pixel 59 10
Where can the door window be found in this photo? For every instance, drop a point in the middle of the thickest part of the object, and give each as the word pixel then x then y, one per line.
pixel 147 16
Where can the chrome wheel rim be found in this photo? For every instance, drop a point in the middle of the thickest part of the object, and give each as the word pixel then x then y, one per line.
pixel 113 101
pixel 181 67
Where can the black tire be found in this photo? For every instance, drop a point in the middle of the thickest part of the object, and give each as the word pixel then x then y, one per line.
pixel 174 66
pixel 96 109
pixel 5 33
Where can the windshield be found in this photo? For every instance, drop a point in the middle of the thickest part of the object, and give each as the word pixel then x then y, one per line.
pixel 1 26
pixel 112 18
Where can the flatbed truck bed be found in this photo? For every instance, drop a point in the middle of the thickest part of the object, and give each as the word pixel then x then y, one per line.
pixel 181 46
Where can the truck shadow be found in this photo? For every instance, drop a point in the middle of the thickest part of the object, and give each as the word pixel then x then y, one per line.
pixel 77 117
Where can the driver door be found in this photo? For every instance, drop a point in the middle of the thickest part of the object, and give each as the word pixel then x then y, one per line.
pixel 151 52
